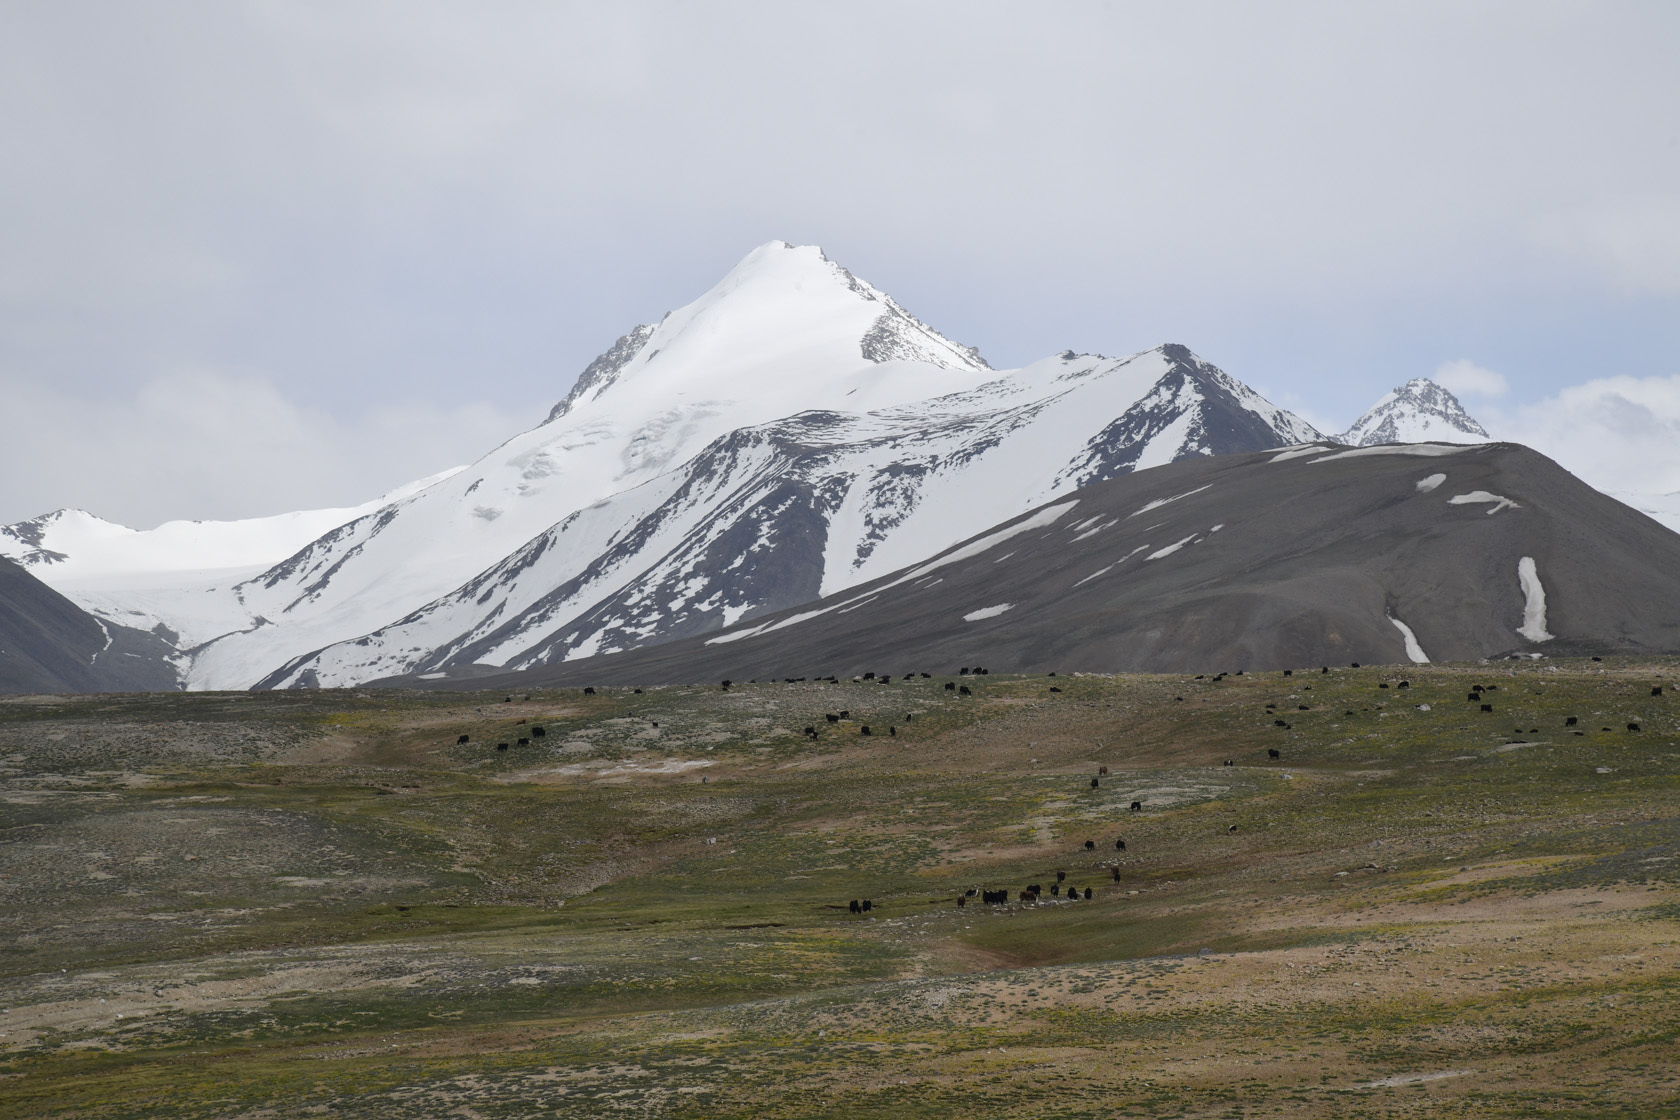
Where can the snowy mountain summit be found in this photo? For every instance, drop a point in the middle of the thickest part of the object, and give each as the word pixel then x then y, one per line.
pixel 1419 411
pixel 792 432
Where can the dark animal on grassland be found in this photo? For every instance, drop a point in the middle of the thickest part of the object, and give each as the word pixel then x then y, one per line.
pixel 1137 806
pixel 591 691
pixel 868 905
pixel 1570 721
pixel 856 907
pixel 1053 688
pixel 1094 783
pixel 1087 893
pixel 524 742
pixel 1657 691
pixel 1633 727
pixel 832 718
pixel 1487 707
pixel 501 746
pixel 961 901
pixel 459 739
pixel 1061 876
pixel 950 686
pixel 1116 872
pixel 864 730
pixel 1090 845
pixel 1120 845
pixel 1273 753
pixel 538 732
pixel 1102 769
pixel 964 690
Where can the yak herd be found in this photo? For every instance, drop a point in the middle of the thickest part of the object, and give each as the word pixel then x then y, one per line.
pixel 1033 893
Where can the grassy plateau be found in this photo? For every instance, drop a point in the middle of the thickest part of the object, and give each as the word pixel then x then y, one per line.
pixel 320 903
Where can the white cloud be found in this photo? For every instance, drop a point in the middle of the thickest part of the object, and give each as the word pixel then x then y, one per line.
pixel 1467 379
pixel 1616 433
pixel 206 444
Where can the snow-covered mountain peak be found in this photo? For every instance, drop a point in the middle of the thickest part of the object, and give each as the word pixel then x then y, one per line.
pixel 783 310
pixel 1419 411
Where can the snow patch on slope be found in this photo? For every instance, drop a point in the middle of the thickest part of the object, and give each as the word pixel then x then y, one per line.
pixel 1413 649
pixel 1480 497
pixel 1534 602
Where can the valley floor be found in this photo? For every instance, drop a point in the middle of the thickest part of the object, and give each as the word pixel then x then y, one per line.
pixel 319 903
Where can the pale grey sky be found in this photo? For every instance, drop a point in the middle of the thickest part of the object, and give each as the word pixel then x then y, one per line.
pixel 262 255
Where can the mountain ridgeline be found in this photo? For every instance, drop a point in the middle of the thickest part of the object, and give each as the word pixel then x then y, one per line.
pixel 1300 558
pixel 791 434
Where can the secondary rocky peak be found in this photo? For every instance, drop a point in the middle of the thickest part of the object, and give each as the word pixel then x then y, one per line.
pixel 1420 411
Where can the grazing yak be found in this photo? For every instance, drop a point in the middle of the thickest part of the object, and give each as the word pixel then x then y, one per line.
pixel 459 739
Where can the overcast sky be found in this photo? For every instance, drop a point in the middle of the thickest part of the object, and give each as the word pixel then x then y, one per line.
pixel 264 256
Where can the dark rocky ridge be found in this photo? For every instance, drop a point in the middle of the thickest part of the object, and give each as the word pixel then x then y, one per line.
pixel 1311 561
pixel 49 644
